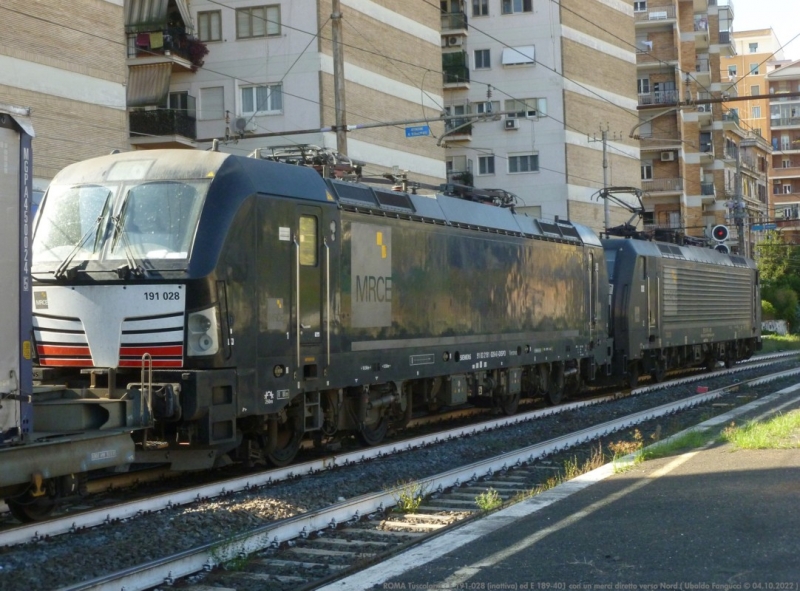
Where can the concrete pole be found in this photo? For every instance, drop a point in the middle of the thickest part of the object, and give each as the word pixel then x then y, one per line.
pixel 338 79
pixel 606 204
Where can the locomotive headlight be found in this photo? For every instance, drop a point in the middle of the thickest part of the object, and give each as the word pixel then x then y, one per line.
pixel 203 334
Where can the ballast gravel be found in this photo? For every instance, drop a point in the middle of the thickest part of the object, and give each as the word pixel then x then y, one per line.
pixel 81 556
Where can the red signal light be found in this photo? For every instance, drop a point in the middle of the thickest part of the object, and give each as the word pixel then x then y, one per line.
pixel 720 233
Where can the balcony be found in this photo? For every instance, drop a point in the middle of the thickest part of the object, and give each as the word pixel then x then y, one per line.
pixel 656 16
pixel 791 172
pixel 702 72
pixel 672 185
pixel 659 97
pixel 785 122
pixel 455 70
pixel 458 130
pixel 163 128
pixel 455 22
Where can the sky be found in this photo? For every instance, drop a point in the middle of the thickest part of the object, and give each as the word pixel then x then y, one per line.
pixel 781 15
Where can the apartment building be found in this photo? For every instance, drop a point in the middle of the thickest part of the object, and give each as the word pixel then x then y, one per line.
pixel 269 73
pixel 690 152
pixel 66 62
pixel 547 79
pixel 785 132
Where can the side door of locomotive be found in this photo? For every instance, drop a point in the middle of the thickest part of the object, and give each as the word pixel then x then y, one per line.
pixel 308 289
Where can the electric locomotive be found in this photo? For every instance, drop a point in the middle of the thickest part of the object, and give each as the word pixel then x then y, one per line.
pixel 222 306
pixel 676 306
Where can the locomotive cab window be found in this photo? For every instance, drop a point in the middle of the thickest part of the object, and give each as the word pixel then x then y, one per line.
pixel 308 240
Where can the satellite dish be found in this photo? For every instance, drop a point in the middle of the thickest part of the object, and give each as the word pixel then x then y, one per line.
pixel 240 123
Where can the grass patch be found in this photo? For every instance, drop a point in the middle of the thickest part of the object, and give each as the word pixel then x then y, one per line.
pixel 410 497
pixel 488 500
pixel 781 432
pixel 623 449
pixel 690 440
pixel 777 343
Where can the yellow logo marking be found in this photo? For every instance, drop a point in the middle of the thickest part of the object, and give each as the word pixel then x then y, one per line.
pixel 379 242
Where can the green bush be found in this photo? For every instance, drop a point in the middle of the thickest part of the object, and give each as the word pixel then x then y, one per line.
pixel 768 311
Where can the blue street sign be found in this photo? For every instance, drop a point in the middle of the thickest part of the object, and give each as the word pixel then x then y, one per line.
pixel 418 131
pixel 762 227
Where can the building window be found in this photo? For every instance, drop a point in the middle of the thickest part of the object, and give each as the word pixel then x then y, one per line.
pixel 212 103
pixel 258 21
pixel 487 107
pixel 523 163
pixel 646 169
pixel 640 6
pixel 209 25
pixel 754 69
pixel 181 102
pixel 480 7
pixel 532 107
pixel 643 85
pixel 786 163
pixel 756 112
pixel 512 6
pixel 485 164
pixel 482 59
pixel 262 99
pixel 755 90
pixel 787 189
pixel 731 71
pixel 754 48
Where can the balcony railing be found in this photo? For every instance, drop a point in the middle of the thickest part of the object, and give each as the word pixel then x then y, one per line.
pixel 785 122
pixel 659 97
pixel 707 189
pixel 655 185
pixel 731 116
pixel 657 14
pixel 456 21
pixel 456 75
pixel 702 66
pixel 646 55
pixel 163 122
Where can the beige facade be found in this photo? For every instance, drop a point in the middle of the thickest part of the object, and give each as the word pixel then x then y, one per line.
pixel 689 152
pixel 66 61
pixel 269 74
pixel 551 80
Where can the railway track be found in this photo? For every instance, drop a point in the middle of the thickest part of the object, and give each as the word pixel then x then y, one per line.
pixel 306 550
pixel 280 533
pixel 83 519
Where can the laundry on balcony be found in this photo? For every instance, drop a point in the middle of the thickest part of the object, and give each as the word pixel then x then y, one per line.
pixel 156 40
pixel 143 40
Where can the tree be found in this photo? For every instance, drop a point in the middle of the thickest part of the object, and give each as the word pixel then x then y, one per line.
pixel 772 258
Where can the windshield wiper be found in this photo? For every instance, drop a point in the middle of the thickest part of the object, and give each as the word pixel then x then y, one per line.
pixel 133 265
pixel 64 270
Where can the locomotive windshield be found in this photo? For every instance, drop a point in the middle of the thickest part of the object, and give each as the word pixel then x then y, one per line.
pixel 111 222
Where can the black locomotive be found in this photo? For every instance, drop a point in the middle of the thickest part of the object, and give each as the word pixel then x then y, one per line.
pixel 219 306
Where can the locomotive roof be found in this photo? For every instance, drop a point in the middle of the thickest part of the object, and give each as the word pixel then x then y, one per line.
pixel 677 252
pixel 239 176
pixel 453 211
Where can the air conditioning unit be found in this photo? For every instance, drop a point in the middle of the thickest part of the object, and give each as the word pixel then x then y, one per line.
pixel 454 41
pixel 667 156
pixel 511 124
pixel 704 108
pixel 242 124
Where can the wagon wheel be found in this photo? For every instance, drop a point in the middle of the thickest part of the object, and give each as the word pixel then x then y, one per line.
pixel 633 374
pixel 711 363
pixel 659 371
pixel 373 434
pixel 27 509
pixel 508 405
pixel 555 391
pixel 284 438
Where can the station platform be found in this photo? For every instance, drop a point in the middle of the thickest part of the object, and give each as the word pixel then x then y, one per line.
pixel 711 519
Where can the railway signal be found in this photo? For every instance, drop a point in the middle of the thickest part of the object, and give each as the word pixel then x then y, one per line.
pixel 720 233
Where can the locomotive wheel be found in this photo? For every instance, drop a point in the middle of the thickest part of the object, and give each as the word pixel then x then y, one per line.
pixel 555 391
pixel 288 435
pixel 28 509
pixel 711 363
pixel 508 405
pixel 373 434
pixel 658 372
pixel 633 374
